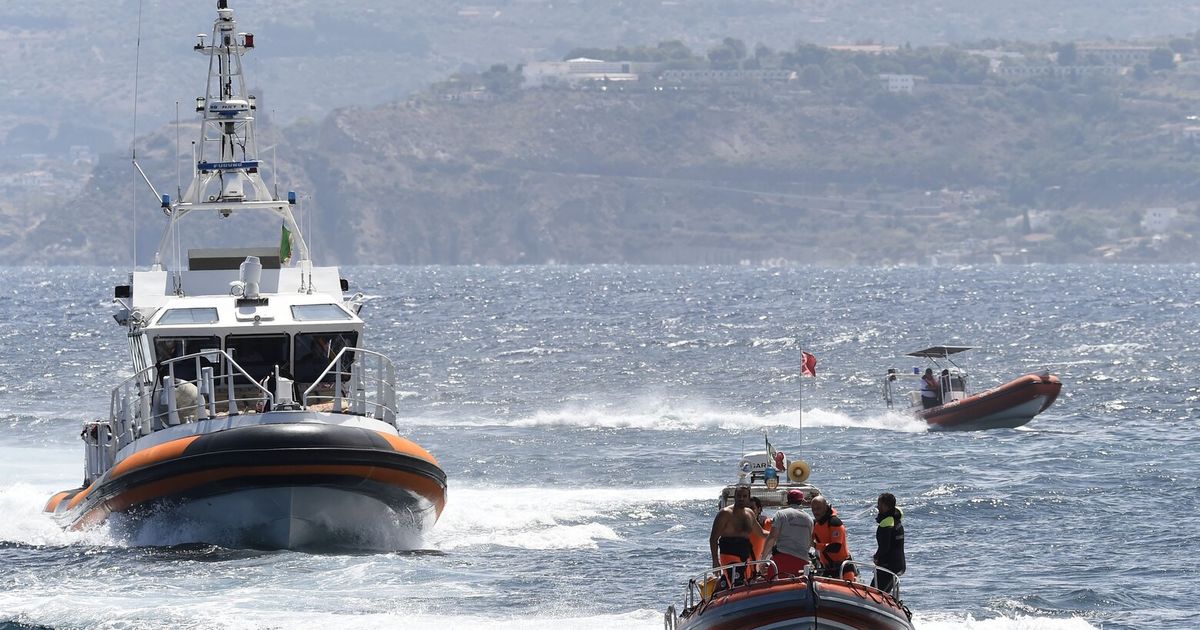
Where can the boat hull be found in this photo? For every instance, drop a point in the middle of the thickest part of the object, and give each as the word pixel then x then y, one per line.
pixel 798 603
pixel 1011 405
pixel 298 485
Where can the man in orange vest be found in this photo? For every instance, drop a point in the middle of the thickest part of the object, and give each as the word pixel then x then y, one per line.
pixel 829 539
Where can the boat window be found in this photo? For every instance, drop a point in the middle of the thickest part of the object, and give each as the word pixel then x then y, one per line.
pixel 166 348
pixel 314 351
pixel 319 313
pixel 189 316
pixel 259 354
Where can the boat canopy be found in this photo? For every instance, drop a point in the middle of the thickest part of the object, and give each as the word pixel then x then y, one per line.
pixel 939 351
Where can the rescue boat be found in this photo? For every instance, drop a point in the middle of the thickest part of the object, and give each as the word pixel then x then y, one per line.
pixel 787 602
pixel 777 601
pixel 1010 405
pixel 255 415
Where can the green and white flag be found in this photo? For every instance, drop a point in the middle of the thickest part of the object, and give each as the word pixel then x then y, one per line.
pixel 285 246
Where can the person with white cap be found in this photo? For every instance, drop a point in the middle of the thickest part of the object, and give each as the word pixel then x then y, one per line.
pixel 791 535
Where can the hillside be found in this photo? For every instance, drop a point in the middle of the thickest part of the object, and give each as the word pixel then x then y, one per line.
pixel 831 170
pixel 68 67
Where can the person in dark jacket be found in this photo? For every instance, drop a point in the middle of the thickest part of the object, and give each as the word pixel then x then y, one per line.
pixel 889 538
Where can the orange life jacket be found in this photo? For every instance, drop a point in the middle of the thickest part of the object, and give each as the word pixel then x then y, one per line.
pixel 829 539
pixel 757 541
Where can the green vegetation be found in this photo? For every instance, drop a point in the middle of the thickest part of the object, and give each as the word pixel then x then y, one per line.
pixel 971 166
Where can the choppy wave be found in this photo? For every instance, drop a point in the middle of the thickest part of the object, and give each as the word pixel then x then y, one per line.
pixel 967 622
pixel 550 518
pixel 217 612
pixel 536 351
pixel 669 417
pixel 22 521
pixel 532 402
pixel 1121 349
pixel 784 342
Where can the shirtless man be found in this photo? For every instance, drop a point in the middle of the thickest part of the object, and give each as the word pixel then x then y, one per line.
pixel 729 540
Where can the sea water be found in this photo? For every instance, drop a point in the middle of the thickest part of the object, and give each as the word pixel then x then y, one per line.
pixel 588 416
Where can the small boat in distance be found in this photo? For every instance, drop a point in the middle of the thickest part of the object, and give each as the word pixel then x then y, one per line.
pixel 1008 406
pixel 769 599
pixel 255 417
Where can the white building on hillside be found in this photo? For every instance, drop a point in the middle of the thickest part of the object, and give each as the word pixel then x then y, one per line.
pixel 582 69
pixel 1159 220
pixel 898 82
pixel 1114 54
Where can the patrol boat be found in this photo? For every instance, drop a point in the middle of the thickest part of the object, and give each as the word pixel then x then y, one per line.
pixel 255 415
pixel 1010 405
pixel 775 601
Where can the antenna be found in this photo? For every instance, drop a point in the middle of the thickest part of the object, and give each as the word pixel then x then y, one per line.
pixel 137 66
pixel 800 446
pixel 178 176
pixel 274 169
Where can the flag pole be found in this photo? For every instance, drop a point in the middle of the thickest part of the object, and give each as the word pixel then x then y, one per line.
pixel 801 446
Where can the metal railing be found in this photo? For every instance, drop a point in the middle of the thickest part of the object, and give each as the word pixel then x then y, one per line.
pixel 99 445
pixel 155 398
pixel 894 591
pixel 705 586
pixel 363 383
pixel 368 389
pixel 702 587
pixel 951 387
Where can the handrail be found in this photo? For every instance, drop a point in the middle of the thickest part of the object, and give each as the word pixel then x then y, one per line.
pixel 337 361
pixel 383 380
pixel 195 356
pixel 892 382
pixel 894 591
pixel 147 401
pixel 694 593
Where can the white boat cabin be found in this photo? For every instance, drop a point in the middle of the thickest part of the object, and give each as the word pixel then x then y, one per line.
pixel 282 324
pixel 291 322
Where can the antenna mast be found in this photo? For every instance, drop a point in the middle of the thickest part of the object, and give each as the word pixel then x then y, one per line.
pixel 226 175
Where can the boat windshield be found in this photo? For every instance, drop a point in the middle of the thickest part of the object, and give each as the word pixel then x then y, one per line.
pixel 167 348
pixel 314 351
pixel 259 354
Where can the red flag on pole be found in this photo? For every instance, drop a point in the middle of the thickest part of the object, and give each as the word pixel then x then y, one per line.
pixel 808 365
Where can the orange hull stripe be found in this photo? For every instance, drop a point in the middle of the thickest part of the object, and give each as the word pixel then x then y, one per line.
pixel 152 455
pixel 175 448
pixel 78 498
pixel 426 487
pixel 409 448
pixel 52 504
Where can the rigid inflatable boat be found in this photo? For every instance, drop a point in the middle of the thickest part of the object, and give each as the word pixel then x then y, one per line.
pixel 776 601
pixel 255 415
pixel 955 408
pixel 787 602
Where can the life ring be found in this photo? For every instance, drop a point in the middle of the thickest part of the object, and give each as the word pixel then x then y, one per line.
pixel 798 471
